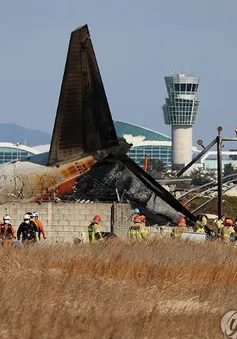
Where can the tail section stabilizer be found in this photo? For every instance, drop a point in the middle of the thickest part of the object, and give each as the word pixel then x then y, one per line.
pixel 83 122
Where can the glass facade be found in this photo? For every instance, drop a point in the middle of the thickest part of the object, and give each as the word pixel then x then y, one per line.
pixel 160 147
pixel 125 128
pixel 181 106
pixel 9 153
pixel 162 153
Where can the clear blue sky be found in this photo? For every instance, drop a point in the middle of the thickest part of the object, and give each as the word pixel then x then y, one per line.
pixel 137 43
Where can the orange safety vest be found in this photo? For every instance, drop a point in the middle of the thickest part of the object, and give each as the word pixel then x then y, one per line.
pixel 40 227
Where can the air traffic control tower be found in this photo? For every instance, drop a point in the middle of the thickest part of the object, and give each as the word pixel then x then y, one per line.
pixel 180 111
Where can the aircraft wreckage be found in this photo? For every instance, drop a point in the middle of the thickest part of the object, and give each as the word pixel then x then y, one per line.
pixel 86 158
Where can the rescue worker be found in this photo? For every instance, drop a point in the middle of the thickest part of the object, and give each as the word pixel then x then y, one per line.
pixel 135 230
pixel 219 224
pixel 226 230
pixel 199 227
pixel 143 229
pixel 204 219
pixel 94 230
pixel 32 222
pixel 27 230
pixel 180 228
pixel 40 226
pixel 200 224
pixel 7 231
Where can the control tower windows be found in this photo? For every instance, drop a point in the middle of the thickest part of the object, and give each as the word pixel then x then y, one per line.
pixel 181 88
pixel 194 87
pixel 176 87
pixel 189 87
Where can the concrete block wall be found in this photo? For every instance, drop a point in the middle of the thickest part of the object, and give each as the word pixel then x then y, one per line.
pixel 64 222
pixel 122 219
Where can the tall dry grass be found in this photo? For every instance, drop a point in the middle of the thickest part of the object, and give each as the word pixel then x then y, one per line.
pixel 157 289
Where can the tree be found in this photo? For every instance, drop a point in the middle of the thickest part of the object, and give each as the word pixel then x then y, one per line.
pixel 229 169
pixel 170 174
pixel 201 177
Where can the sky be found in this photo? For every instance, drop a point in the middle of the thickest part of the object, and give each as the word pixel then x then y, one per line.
pixel 136 42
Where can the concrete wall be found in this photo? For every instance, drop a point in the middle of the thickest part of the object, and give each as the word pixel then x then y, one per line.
pixel 64 222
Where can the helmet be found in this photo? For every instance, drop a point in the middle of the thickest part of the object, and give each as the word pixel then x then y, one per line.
pixel 143 218
pixel 228 222
pixel 35 214
pixel 30 214
pixel 182 220
pixel 97 218
pixel 136 210
pixel 6 217
pixel 26 217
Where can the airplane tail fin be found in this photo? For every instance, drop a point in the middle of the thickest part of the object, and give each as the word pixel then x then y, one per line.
pixel 83 122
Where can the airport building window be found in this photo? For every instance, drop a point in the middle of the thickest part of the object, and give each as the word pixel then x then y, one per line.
pixel 9 154
pixel 162 153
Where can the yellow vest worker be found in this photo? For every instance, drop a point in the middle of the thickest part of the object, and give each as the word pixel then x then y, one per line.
pixel 199 227
pixel 219 224
pixel 143 229
pixel 226 230
pixel 94 230
pixel 180 228
pixel 204 220
pixel 135 230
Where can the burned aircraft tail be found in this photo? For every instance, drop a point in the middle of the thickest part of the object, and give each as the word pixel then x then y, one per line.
pixel 83 123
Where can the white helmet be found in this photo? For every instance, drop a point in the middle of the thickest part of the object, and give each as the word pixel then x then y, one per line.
pixel 6 217
pixel 35 214
pixel 26 217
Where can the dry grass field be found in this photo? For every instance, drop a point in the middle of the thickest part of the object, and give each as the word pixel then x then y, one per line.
pixel 157 289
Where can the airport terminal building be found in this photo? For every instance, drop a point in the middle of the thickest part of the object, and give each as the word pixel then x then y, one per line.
pixel 13 151
pixel 144 140
pixel 159 146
